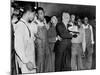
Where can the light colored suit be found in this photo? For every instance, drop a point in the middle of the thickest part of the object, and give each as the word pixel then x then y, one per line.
pixel 24 44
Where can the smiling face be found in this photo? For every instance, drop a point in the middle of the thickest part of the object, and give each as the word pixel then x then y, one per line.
pixel 31 15
pixel 54 20
pixel 66 17
pixel 41 15
pixel 79 22
pixel 72 18
pixel 86 20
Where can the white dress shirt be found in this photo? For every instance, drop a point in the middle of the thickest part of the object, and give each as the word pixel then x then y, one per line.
pixel 24 44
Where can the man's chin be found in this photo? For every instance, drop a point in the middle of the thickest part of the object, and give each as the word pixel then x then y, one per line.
pixel 30 21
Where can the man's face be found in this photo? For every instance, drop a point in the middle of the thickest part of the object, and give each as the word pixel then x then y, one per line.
pixel 72 18
pixel 41 15
pixel 79 22
pixel 31 15
pixel 86 20
pixel 54 20
pixel 66 17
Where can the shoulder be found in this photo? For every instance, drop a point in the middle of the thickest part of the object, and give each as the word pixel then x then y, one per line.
pixel 20 26
pixel 35 22
pixel 82 25
pixel 59 25
pixel 90 26
pixel 82 30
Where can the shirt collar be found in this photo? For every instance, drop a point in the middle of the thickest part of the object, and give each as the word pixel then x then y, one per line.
pixel 40 23
pixel 86 26
pixel 24 21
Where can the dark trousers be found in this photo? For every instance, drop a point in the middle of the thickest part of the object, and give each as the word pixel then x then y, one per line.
pixel 63 55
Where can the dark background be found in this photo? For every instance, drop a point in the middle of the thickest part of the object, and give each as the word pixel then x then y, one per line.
pixel 79 10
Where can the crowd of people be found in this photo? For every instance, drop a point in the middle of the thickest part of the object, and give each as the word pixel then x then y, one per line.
pixel 45 44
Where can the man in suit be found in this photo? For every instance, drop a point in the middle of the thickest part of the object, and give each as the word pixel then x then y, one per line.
pixel 63 49
pixel 24 43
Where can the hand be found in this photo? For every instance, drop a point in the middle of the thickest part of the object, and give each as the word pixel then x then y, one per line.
pixel 75 36
pixel 59 38
pixel 83 54
pixel 30 66
pixel 72 33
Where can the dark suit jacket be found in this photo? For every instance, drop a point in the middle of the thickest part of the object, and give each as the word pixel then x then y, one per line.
pixel 63 49
pixel 65 43
pixel 62 31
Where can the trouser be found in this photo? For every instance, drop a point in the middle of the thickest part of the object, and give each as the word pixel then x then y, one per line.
pixel 76 54
pixel 88 61
pixel 51 47
pixel 63 56
pixel 26 71
pixel 40 56
pixel 13 63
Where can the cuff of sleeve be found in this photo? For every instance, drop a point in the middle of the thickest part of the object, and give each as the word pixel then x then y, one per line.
pixel 92 42
pixel 56 38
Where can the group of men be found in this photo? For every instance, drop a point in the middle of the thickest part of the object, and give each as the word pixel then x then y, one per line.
pixel 70 43
pixel 76 42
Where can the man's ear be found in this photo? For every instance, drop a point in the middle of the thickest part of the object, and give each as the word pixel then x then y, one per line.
pixel 36 15
pixel 44 13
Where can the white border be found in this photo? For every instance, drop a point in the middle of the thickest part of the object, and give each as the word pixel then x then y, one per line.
pixel 5 36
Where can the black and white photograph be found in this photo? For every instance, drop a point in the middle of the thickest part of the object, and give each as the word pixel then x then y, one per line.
pixel 52 37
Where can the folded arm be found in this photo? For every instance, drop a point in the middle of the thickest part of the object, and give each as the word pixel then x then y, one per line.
pixel 63 33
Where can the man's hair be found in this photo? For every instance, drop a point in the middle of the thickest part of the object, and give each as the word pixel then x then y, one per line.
pixel 85 18
pixel 47 18
pixel 39 8
pixel 29 8
pixel 72 14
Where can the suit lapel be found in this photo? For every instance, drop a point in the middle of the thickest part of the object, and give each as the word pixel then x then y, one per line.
pixel 64 26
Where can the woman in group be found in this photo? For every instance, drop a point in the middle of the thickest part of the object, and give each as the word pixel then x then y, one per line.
pixel 52 39
pixel 49 57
